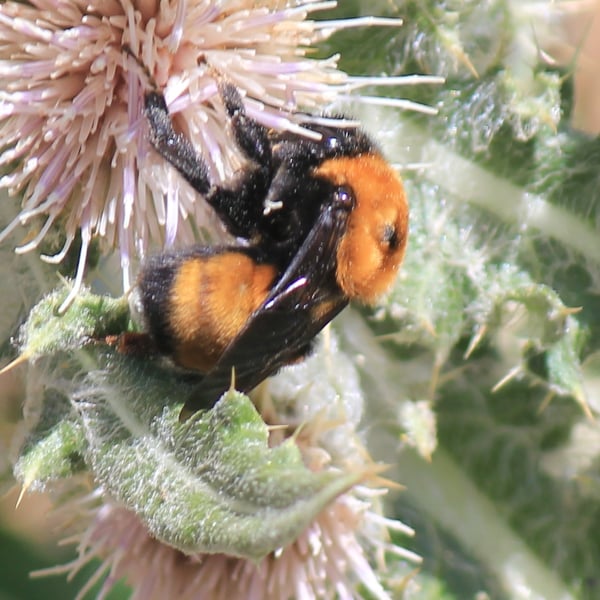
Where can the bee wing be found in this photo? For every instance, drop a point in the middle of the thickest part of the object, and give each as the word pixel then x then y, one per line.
pixel 282 330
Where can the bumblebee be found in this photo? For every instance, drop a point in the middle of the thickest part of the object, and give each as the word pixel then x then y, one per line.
pixel 318 223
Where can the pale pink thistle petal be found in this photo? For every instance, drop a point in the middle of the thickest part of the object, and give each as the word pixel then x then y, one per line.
pixel 331 559
pixel 38 238
pixel 59 256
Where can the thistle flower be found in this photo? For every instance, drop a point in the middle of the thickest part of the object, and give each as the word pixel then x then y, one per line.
pixel 340 553
pixel 73 142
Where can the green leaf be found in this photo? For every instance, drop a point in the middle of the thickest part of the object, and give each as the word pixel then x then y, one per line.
pixel 212 484
pixel 54 448
pixel 90 317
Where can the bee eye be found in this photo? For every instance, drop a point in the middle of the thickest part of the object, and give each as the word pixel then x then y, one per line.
pixel 344 197
pixel 390 236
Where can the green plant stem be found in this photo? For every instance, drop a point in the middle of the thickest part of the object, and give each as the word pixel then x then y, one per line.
pixel 440 488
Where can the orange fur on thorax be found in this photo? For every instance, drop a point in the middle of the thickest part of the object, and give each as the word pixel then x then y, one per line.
pixel 365 268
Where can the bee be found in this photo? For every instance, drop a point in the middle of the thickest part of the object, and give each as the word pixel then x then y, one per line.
pixel 317 223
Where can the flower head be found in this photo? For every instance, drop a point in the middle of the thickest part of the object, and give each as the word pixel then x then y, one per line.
pixel 223 506
pixel 73 137
pixel 340 553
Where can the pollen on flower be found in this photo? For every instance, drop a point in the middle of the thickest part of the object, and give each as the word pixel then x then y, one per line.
pixel 73 142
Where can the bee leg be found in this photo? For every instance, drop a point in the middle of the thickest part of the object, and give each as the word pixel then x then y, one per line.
pixel 235 203
pixel 250 136
pixel 172 146
pixel 132 344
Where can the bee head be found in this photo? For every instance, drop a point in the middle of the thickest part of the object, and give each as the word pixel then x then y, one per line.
pixel 372 247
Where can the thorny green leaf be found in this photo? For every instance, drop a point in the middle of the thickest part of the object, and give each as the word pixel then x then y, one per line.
pixel 211 485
